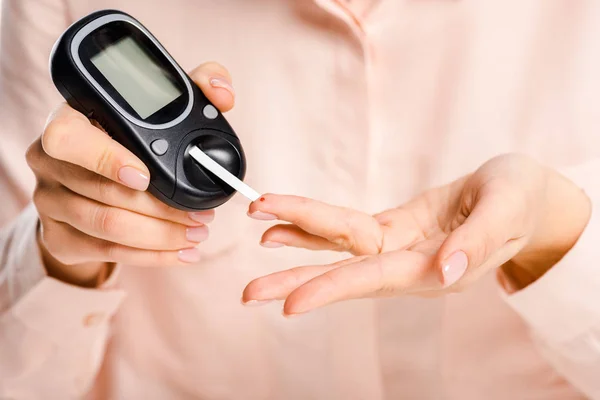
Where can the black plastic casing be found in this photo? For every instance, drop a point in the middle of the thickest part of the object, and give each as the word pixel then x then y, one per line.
pixel 176 179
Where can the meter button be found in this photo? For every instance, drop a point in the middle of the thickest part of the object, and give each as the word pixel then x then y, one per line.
pixel 210 111
pixel 160 147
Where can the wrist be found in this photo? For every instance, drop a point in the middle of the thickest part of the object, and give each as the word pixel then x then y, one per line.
pixel 563 215
pixel 89 275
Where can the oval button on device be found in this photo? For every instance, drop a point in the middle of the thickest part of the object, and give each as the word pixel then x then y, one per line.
pixel 210 111
pixel 160 147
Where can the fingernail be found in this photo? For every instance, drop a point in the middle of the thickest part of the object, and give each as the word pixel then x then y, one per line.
pixel 256 303
pixel 189 255
pixel 262 216
pixel 202 217
pixel 134 178
pixel 454 267
pixel 222 83
pixel 196 234
pixel 271 245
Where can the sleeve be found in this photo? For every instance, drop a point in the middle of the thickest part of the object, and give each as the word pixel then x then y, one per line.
pixel 52 335
pixel 562 307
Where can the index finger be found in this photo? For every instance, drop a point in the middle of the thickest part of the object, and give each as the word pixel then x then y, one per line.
pixel 353 230
pixel 69 136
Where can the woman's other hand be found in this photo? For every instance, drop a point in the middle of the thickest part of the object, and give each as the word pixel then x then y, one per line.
pixel 512 213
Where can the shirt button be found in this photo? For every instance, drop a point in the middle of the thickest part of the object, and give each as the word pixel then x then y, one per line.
pixel 93 319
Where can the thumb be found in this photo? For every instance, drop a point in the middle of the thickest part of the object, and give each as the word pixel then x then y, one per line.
pixel 487 229
pixel 215 82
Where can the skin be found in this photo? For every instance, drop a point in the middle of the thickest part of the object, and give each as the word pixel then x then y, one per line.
pixel 91 199
pixel 512 215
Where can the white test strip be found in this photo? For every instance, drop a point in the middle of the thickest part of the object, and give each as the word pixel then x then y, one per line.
pixel 203 159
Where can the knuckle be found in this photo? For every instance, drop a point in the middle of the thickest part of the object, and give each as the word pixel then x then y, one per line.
pixel 57 135
pixel 343 241
pixel 483 249
pixel 346 237
pixel 104 187
pixel 78 213
pixel 105 219
pixel 55 243
pixel 34 155
pixel 366 233
pixel 381 285
pixel 103 162
pixel 40 196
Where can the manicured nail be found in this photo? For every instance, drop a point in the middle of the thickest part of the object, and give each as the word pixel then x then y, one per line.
pixel 271 245
pixel 134 178
pixel 218 82
pixel 454 267
pixel 256 303
pixel 189 255
pixel 202 217
pixel 197 234
pixel 262 216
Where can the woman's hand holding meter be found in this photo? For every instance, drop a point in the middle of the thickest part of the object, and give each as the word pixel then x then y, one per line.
pixel 511 212
pixel 92 203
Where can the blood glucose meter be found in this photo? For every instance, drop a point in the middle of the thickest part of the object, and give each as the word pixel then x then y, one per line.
pixel 109 67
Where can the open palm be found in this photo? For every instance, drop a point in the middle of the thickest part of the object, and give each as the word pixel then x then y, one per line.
pixel 439 242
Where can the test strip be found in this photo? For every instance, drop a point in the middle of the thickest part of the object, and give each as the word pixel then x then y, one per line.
pixel 203 159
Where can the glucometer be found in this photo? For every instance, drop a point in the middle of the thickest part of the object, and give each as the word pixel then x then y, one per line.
pixel 109 67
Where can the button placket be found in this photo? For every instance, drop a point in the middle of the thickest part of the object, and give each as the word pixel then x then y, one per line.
pixel 357 10
pixel 341 11
pixel 353 12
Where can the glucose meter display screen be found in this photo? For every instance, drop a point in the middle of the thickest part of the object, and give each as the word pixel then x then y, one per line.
pixel 142 82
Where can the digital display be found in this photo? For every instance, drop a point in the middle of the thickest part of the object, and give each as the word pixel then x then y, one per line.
pixel 142 83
